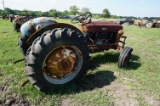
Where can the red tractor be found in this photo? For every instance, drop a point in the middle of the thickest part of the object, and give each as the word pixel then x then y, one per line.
pixel 57 54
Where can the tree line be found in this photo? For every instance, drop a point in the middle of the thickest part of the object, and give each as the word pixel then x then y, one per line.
pixel 73 10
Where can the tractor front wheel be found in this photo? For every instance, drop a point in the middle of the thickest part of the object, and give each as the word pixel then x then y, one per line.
pixel 124 57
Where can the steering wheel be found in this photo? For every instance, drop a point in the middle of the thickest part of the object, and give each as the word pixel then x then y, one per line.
pixel 82 19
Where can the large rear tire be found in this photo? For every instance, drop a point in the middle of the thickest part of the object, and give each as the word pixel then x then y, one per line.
pixel 22 44
pixel 124 57
pixel 56 59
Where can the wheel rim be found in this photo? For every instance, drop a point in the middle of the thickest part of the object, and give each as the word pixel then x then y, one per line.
pixel 62 64
pixel 127 59
pixel 149 25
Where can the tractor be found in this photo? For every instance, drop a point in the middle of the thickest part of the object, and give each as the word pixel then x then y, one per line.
pixel 57 54
pixel 20 19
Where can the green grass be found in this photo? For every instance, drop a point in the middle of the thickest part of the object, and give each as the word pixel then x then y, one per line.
pixel 142 76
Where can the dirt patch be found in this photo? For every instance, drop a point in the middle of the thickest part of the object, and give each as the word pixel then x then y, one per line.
pixel 15 102
pixel 151 99
pixel 3 88
pixel 1 74
pixel 5 85
pixel 66 102
pixel 157 56
pixel 122 94
pixel 10 99
pixel 157 42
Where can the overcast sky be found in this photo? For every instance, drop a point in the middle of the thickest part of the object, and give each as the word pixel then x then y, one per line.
pixel 138 8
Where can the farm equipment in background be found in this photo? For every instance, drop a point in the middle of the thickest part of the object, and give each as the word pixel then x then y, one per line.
pixel 153 24
pixel 56 54
pixel 125 21
pixel 147 23
pixel 22 17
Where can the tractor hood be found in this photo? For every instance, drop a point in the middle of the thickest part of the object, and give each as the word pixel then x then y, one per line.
pixel 34 25
pixel 100 26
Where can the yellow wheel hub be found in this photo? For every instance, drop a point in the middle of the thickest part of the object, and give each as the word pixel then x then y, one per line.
pixel 60 62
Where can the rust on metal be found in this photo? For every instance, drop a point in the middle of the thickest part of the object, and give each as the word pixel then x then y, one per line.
pixel 95 48
pixel 60 62
pixel 119 34
pixel 34 25
pixel 43 19
pixel 50 27
pixel 99 26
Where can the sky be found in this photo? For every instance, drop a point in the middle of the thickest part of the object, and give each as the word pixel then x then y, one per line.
pixel 137 8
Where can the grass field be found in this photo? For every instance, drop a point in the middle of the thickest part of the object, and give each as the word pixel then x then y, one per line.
pixel 104 84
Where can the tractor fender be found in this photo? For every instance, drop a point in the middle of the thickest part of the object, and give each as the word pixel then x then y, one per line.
pixel 33 25
pixel 50 27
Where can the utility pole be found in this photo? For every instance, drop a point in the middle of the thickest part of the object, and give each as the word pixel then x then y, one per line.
pixel 3 3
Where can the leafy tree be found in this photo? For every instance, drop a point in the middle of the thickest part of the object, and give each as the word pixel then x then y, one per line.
pixel 2 12
pixel 106 13
pixel 85 9
pixel 145 18
pixel 59 14
pixel 33 13
pixel 53 13
pixel 45 13
pixel 73 10
pixel 9 11
pixel 65 12
pixel 114 16
pixel 39 13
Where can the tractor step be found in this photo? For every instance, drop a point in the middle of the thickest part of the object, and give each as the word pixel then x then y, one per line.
pixel 122 41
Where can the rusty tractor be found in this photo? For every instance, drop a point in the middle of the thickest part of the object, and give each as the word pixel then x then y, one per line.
pixel 21 19
pixel 56 54
pixel 153 24
pixel 147 23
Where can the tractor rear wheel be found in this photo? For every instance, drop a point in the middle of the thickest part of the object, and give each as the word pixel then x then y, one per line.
pixel 56 59
pixel 22 44
pixel 124 57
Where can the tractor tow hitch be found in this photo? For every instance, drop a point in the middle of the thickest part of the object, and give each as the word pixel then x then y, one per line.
pixel 24 83
pixel 17 61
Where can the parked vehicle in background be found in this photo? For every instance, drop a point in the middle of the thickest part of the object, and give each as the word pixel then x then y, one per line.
pixel 140 23
pixel 11 17
pixel 125 21
pixel 147 23
pixel 153 24
pixel 66 17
